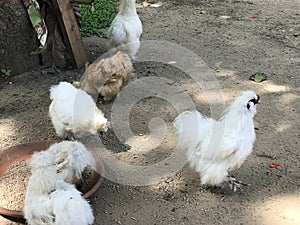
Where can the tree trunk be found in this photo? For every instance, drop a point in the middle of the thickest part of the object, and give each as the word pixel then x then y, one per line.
pixel 17 38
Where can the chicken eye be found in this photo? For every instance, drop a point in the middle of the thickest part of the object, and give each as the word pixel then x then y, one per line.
pixel 248 106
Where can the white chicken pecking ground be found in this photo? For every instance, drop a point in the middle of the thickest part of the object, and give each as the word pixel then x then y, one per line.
pixel 74 112
pixel 59 204
pixel 214 148
pixel 69 207
pixel 49 199
pixel 126 28
pixel 70 160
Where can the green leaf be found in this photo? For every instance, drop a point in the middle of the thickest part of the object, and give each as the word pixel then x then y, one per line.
pixel 258 77
pixel 34 15
pixel 87 2
pixel 96 22
pixel 6 72
pixel 39 50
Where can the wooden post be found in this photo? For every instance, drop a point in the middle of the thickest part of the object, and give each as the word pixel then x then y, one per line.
pixel 71 33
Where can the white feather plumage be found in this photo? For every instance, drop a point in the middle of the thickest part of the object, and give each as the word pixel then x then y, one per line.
pixel 64 205
pixel 42 182
pixel 215 148
pixel 37 210
pixel 71 158
pixel 42 159
pixel 51 201
pixel 126 28
pixel 73 111
pixel 69 207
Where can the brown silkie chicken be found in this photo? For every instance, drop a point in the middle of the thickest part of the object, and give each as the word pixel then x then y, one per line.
pixel 107 76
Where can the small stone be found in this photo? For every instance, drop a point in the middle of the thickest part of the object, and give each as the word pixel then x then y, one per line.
pixel 224 17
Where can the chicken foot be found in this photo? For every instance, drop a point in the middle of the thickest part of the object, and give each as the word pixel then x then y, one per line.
pixel 235 184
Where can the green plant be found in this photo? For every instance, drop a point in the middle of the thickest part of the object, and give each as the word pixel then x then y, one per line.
pixel 96 22
pixel 5 72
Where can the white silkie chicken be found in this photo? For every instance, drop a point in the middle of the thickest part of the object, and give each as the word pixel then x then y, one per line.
pixel 36 205
pixel 126 28
pixel 214 148
pixel 64 205
pixel 42 179
pixel 70 160
pixel 41 183
pixel 73 112
pixel 51 201
pixel 69 207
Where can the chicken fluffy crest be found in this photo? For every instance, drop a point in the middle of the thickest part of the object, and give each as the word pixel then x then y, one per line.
pixel 71 158
pixel 107 76
pixel 126 28
pixel 214 148
pixel 42 159
pixel 73 112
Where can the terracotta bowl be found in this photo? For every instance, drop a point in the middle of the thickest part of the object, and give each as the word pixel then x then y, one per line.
pixel 23 152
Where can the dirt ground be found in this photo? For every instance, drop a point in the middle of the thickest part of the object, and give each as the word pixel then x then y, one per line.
pixel 235 39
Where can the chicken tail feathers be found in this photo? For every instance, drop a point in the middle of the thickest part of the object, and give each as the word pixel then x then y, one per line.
pixel 70 208
pixel 187 129
pixel 62 90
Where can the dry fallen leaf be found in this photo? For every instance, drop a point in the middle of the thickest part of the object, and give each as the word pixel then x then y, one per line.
pixel 156 5
pixel 145 3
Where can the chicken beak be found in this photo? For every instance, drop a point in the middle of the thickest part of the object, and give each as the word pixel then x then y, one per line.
pixel 258 98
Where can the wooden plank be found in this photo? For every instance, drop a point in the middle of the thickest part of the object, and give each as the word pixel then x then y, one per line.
pixel 70 32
